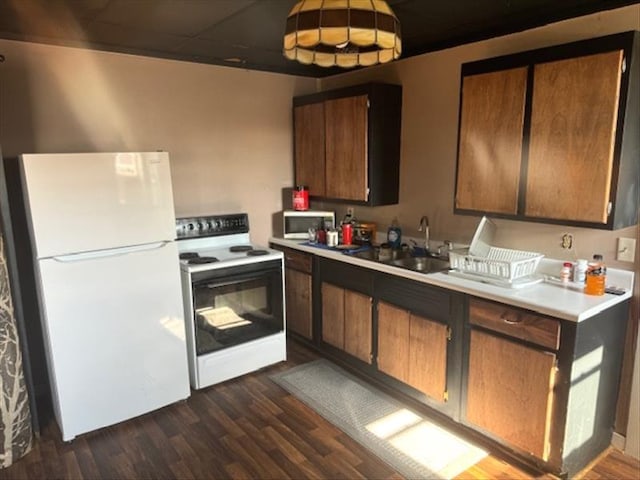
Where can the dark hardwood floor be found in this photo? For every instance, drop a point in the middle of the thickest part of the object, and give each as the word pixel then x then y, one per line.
pixel 248 428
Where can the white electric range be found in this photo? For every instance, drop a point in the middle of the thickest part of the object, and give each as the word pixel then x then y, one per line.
pixel 233 299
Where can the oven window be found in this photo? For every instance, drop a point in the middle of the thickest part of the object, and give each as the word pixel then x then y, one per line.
pixel 235 309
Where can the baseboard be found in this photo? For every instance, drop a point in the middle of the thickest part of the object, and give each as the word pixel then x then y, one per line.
pixel 618 441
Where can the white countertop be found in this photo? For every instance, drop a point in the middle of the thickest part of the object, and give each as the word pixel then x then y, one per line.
pixel 546 298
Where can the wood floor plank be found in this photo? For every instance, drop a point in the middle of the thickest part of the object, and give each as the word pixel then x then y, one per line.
pixel 246 428
pixel 283 445
pixel 260 463
pixel 342 468
pixel 238 472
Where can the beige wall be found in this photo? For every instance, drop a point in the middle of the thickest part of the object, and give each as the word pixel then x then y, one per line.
pixel 227 130
pixel 431 85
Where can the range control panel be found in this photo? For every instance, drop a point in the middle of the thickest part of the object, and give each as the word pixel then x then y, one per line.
pixel 212 225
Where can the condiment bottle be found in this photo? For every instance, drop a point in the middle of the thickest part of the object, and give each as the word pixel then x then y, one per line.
pixel 565 272
pixel 347 233
pixel 321 234
pixel 580 271
pixel 332 238
pixel 596 276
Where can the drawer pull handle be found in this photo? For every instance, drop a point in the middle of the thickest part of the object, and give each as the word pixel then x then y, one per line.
pixel 511 320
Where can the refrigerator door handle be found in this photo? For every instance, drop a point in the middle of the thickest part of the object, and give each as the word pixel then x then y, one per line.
pixel 111 252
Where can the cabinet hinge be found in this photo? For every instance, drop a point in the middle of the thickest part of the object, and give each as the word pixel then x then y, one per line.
pixel 623 67
pixel 368 103
pixel 445 396
pixel 368 192
pixel 609 207
pixel 449 333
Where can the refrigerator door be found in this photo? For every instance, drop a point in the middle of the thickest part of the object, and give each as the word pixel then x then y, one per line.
pixel 93 201
pixel 115 335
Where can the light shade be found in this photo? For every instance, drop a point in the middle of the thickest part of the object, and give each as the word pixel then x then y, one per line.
pixel 343 33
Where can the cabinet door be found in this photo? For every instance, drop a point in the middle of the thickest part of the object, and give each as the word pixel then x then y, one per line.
pixel 428 356
pixel 393 341
pixel 298 298
pixel 357 325
pixel 309 147
pixel 333 315
pixel 490 149
pixel 573 122
pixel 510 392
pixel 346 165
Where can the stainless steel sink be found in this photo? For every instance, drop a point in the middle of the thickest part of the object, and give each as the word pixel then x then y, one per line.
pixel 424 264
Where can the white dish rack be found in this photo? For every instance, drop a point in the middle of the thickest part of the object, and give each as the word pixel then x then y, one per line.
pixel 500 263
pixel 486 261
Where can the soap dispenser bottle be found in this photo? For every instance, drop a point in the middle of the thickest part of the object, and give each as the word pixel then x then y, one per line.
pixel 394 235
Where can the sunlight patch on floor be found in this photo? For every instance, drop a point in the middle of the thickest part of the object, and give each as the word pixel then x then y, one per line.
pixel 426 443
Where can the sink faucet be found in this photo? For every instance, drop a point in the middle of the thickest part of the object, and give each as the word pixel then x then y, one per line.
pixel 424 227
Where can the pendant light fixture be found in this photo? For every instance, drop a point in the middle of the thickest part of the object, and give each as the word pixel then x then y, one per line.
pixel 343 33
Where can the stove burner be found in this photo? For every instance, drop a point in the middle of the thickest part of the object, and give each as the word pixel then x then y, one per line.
pixel 188 255
pixel 240 248
pixel 255 253
pixel 201 260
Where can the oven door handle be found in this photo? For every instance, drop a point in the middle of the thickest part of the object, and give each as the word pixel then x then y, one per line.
pixel 211 286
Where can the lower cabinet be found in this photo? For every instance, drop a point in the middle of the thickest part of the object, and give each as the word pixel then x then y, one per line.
pixel 510 385
pixel 346 321
pixel 298 298
pixel 541 389
pixel 510 392
pixel 413 349
pixel 544 388
pixel 298 269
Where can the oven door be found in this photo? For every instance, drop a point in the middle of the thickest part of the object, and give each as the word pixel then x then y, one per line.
pixel 235 305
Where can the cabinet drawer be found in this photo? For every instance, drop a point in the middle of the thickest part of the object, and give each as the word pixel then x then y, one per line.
pixel 515 322
pixel 297 260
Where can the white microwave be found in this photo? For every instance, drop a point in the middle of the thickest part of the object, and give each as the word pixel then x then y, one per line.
pixel 296 223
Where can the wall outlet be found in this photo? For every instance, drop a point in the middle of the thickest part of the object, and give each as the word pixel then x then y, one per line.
pixel 626 249
pixel 567 241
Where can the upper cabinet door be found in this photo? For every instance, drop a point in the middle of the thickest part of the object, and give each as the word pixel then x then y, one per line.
pixel 346 148
pixel 551 135
pixel 347 143
pixel 490 142
pixel 573 125
pixel 309 147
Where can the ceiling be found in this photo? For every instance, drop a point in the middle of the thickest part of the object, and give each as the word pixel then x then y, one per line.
pixel 248 33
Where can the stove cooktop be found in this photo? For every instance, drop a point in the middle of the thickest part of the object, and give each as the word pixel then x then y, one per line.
pixel 194 258
pixel 221 240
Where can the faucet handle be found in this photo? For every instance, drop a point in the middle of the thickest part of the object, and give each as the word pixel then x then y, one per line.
pixel 447 245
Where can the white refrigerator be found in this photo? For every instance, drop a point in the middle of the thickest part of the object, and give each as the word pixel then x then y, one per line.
pixel 102 228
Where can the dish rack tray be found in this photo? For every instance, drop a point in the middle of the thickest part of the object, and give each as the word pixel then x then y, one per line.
pixel 500 263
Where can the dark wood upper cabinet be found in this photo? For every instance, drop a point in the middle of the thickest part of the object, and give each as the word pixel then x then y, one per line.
pixel 347 143
pixel 310 147
pixel 345 129
pixel 491 140
pixel 571 146
pixel 551 135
